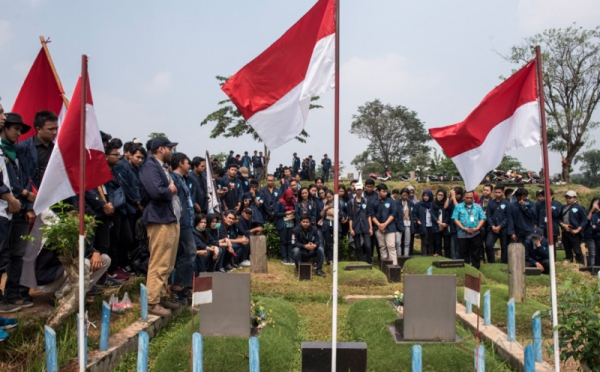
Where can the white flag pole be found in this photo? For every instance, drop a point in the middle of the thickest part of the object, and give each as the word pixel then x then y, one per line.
pixel 334 295
pixel 82 159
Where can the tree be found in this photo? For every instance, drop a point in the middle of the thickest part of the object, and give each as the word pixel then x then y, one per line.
pixel 571 65
pixel 590 167
pixel 366 165
pixel 229 122
pixel 153 135
pixel 510 163
pixel 395 133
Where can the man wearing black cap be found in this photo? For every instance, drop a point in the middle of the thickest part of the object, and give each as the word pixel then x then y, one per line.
pixel 326 163
pixel 160 217
pixel 11 255
pixel 538 253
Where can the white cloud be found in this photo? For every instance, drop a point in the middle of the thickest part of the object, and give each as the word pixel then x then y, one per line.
pixel 5 34
pixel 160 83
pixel 538 15
pixel 35 3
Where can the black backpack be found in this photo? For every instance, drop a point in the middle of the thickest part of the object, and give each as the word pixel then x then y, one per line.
pixel 140 255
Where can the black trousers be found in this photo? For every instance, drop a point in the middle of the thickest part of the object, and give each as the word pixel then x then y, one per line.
pixel 440 238
pixel 572 243
pixel 121 242
pixel 491 240
pixel 362 243
pixel 470 248
pixel 427 245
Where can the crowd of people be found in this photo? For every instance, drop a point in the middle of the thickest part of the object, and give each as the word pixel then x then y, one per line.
pixel 153 217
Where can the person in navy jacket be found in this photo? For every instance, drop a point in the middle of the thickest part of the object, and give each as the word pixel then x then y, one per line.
pixel 404 223
pixel 425 219
pixel 556 213
pixel 521 218
pixel 305 239
pixel 209 256
pixel 326 166
pixel 239 243
pixel 382 216
pixel 270 194
pixel 594 227
pixel 232 191
pixel 538 254
pixel 306 205
pixel 441 230
pixel 497 220
pixel 573 223
pixel 312 167
pixel 295 163
pixel 360 227
pixel 284 223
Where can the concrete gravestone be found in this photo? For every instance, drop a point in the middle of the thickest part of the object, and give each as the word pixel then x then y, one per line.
pixel 429 308
pixel 229 313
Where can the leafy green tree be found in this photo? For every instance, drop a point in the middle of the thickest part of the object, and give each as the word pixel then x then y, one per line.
pixel 221 157
pixel 229 122
pixel 590 167
pixel 395 133
pixel 509 162
pixel 571 65
pixel 153 135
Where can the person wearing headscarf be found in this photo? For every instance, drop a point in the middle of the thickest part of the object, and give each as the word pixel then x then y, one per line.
pixel 411 195
pixel 441 232
pixel 285 212
pixel 404 224
pixel 425 222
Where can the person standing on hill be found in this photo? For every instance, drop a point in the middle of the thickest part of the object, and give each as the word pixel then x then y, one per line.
pixel 469 219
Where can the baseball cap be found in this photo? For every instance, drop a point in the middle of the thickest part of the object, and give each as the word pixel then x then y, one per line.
pixel 162 142
pixel 244 171
pixel 358 186
pixel 537 233
pixel 571 193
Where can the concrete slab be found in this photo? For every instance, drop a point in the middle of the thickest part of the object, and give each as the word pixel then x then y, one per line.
pixel 351 356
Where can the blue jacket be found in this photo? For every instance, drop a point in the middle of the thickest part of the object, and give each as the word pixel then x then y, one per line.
pixel 257 210
pixel 326 163
pixel 27 150
pixel 302 238
pixel 313 164
pixel 283 185
pixel 185 198
pixel 358 213
pixel 112 187
pixel 157 197
pixel 234 192
pixel 246 161
pixel 577 216
pixel 521 218
pixel 296 163
pixel 244 227
pixel 256 163
pixel 245 185
pixel 595 226
pixel 445 218
pixel 19 181
pixel 270 199
pixel 556 213
pixel 198 194
pixel 420 214
pixel 534 254
pixel 309 208
pixel 382 210
pixel 400 216
pixel 128 177
pixel 497 214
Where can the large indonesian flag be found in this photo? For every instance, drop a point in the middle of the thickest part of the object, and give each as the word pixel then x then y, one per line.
pixel 273 92
pixel 41 90
pixel 61 180
pixel 506 119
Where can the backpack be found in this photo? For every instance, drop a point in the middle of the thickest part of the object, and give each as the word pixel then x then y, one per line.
pixel 140 255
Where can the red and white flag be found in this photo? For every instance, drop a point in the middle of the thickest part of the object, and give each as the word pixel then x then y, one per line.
pixel 41 90
pixel 202 291
pixel 273 92
pixel 508 118
pixel 472 289
pixel 61 179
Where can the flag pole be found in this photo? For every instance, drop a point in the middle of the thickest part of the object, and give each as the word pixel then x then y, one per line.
pixel 336 169
pixel 82 158
pixel 548 197
pixel 60 87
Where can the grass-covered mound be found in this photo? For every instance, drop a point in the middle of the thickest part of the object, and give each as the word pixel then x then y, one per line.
pixel 360 278
pixel 498 272
pixel 419 265
pixel 523 310
pixel 368 320
pixel 277 345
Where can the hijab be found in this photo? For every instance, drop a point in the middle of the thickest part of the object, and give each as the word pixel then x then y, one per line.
pixel 414 197
pixel 289 205
pixel 440 204
pixel 427 204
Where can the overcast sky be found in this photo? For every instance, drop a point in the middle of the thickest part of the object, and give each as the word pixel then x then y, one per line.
pixel 153 62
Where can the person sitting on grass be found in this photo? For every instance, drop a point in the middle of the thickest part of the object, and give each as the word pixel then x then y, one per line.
pixel 208 257
pixel 538 253
pixel 239 243
pixel 305 239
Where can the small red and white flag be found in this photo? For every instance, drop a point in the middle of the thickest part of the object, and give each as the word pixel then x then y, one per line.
pixel 508 118
pixel 472 289
pixel 41 90
pixel 273 92
pixel 61 179
pixel 202 291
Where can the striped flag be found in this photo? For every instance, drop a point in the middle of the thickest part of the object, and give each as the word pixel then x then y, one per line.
pixel 202 291
pixel 508 118
pixel 472 289
pixel 273 92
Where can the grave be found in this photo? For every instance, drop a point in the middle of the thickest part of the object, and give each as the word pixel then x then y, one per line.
pixel 228 314
pixel 305 271
pixel 592 269
pixel 444 264
pixel 394 273
pixel 429 308
pixel 258 254
pixel 353 267
pixel 533 271
pixel 383 265
pixel 403 259
pixel 351 356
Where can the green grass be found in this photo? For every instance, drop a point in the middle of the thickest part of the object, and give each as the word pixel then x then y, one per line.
pixel 360 278
pixel 498 272
pixel 523 310
pixel 368 320
pixel 277 345
pixel 419 265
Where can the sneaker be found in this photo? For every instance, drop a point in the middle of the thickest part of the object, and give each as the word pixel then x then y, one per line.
pixel 229 268
pixel 179 296
pixel 3 335
pixel 119 275
pixel 222 270
pixel 128 269
pixel 27 297
pixel 8 323
pixel 291 262
pixel 111 283
pixel 284 262
pixel 158 310
pixel 186 293
pixel 235 266
pixel 320 273
pixel 19 302
pixel 245 263
pixel 6 307
pixel 170 303
pixel 95 291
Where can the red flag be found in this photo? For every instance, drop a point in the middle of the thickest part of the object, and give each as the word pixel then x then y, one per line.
pixel 273 91
pixel 41 90
pixel 506 119
pixel 62 175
